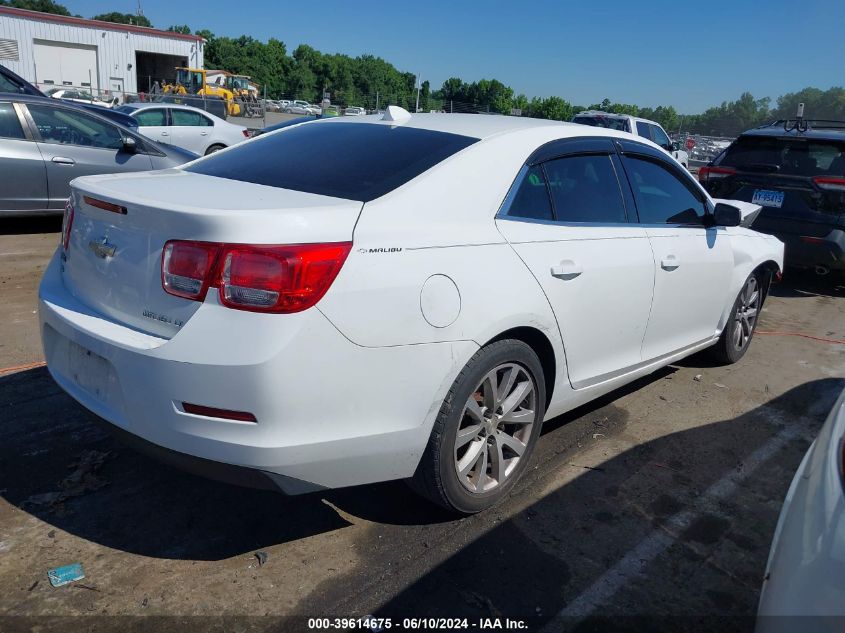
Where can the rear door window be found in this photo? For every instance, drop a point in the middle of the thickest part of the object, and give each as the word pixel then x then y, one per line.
pixel 786 156
pixel 189 119
pixel 10 125
pixel 643 130
pixel 8 85
pixel 356 161
pixel 609 122
pixel 585 189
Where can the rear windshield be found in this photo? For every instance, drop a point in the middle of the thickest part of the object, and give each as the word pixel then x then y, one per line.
pixel 788 156
pixel 356 161
pixel 610 122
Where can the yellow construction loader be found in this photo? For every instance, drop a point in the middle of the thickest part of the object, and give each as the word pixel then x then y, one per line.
pixel 239 86
pixel 191 81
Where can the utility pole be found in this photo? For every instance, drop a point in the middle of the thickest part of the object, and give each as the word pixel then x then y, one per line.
pixel 418 93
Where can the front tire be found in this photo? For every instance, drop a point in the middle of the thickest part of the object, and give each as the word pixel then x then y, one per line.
pixel 214 148
pixel 486 430
pixel 739 330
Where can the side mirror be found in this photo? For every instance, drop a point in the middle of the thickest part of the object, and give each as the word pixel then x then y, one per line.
pixel 129 145
pixel 676 146
pixel 726 215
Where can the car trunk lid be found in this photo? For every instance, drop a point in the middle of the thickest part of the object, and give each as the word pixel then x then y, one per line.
pixel 121 223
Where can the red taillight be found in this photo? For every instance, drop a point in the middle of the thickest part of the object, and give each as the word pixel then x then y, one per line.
pixel 246 133
pixel 186 268
pixel 278 279
pixel 829 183
pixel 67 224
pixel 213 412
pixel 714 173
pixel 812 240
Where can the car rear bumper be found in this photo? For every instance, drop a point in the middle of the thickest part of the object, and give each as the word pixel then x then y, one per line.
pixel 329 413
pixel 804 251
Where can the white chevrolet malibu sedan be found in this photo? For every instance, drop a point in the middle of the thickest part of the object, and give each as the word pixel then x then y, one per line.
pixel 413 305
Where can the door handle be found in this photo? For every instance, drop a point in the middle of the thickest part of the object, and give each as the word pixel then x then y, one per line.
pixel 203 133
pixel 165 134
pixel 670 263
pixel 567 269
pixel 61 160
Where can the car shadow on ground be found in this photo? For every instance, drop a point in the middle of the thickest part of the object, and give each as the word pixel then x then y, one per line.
pixel 60 464
pixel 30 225
pixel 806 283
pixel 707 574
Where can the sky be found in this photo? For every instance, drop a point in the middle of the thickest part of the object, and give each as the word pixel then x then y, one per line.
pixel 690 54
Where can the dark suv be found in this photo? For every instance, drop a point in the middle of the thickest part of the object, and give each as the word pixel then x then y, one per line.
pixel 796 172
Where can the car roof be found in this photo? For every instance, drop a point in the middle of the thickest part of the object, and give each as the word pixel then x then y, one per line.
pixel 474 125
pixel 776 129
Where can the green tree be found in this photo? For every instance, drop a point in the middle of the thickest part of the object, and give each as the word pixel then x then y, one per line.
pixel 181 28
pixel 425 96
pixel 818 104
pixel 123 18
pixel 45 6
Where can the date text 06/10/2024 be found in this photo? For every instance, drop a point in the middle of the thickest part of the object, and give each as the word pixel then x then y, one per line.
pixel 376 624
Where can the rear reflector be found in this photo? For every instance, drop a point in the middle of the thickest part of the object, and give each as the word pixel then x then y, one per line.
pixel 830 183
pixel 812 240
pixel 714 173
pixel 258 278
pixel 67 224
pixel 213 412
pixel 105 206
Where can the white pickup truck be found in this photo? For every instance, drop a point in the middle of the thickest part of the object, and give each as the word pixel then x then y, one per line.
pixel 635 125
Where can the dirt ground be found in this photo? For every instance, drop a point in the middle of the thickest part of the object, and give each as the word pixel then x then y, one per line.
pixel 654 506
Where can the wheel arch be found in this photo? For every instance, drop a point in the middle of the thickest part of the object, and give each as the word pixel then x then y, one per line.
pixel 541 345
pixel 771 267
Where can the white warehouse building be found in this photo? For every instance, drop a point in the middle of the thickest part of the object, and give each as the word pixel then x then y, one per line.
pixel 106 58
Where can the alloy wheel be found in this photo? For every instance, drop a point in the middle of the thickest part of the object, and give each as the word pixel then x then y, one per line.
pixel 747 310
pixel 495 427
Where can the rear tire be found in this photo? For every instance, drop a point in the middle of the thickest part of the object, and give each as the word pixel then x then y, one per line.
pixel 486 430
pixel 214 148
pixel 742 322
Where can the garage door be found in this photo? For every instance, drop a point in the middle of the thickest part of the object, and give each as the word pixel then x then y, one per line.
pixel 63 64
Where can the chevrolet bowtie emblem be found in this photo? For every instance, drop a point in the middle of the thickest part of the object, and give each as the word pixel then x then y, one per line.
pixel 101 248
